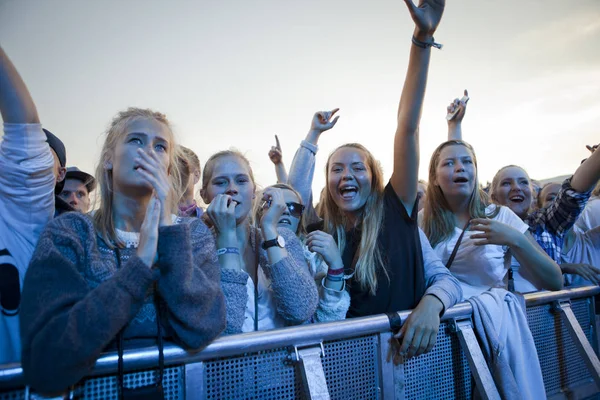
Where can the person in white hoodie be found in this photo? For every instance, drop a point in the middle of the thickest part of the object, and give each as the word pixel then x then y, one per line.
pixel 29 171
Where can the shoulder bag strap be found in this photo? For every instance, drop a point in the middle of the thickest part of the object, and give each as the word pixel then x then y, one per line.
pixel 455 250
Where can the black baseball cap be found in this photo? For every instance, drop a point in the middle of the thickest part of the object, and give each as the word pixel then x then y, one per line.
pixel 61 152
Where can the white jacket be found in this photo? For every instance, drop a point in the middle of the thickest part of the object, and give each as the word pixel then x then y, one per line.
pixel 26 205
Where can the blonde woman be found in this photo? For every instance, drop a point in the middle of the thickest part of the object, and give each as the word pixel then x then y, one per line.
pixel 264 275
pixel 91 278
pixel 375 227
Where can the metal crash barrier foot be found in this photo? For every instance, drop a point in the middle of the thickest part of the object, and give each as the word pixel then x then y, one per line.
pixel 313 375
pixel 479 369
pixel 579 338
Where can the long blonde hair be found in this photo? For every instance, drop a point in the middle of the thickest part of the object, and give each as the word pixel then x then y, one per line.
pixel 438 219
pixel 103 218
pixel 368 258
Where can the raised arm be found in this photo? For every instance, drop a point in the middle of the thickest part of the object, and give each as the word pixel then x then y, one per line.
pixel 276 157
pixel 455 114
pixel 303 164
pixel 16 104
pixel 404 178
pixel 588 173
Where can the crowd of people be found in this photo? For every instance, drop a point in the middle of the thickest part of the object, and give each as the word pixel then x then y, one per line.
pixel 147 261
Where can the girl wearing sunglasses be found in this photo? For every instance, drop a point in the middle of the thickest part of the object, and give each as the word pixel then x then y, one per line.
pixel 264 275
pixel 321 253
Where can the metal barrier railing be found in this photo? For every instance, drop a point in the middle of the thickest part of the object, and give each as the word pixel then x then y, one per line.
pixel 349 358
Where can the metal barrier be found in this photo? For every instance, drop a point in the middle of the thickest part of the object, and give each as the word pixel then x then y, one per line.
pixel 347 360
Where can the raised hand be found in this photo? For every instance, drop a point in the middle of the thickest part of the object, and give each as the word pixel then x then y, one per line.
pixel 323 244
pixel 494 232
pixel 154 171
pixel 322 121
pixel 147 249
pixel 221 212
pixel 273 208
pixel 275 154
pixel 426 16
pixel 457 109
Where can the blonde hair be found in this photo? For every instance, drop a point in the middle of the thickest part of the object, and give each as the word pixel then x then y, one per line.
pixel 103 217
pixel 438 219
pixel 368 258
pixel 596 191
pixel 257 211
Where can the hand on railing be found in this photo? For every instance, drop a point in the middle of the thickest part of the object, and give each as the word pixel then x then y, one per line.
pixel 419 333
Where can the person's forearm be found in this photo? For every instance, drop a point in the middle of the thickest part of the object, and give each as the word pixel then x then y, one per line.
pixel 16 104
pixel 282 176
pixel 303 167
pixel 588 174
pixel 530 255
pixel 406 141
pixel 455 132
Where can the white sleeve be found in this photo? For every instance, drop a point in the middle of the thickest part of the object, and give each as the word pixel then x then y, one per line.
pixel 507 216
pixel 26 180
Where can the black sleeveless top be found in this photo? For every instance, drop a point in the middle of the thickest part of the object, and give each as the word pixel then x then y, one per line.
pixel 401 251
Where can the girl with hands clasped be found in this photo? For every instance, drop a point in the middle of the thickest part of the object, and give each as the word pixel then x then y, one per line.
pixel 94 277
pixel 264 275
pixel 374 225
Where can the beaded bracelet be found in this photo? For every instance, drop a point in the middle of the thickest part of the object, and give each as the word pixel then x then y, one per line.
pixel 228 250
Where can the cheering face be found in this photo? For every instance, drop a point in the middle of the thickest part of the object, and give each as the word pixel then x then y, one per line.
pixel 149 135
pixel 291 216
pixel 456 172
pixel 513 190
pixel 349 180
pixel 231 176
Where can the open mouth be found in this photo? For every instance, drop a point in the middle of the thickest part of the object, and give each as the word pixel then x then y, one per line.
pixel 348 192
pixel 285 221
pixel 461 179
pixel 517 198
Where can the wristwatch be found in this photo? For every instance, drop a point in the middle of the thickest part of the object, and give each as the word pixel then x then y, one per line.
pixel 278 241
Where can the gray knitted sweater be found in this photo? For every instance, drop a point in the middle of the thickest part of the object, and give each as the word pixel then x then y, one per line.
pixel 75 300
pixel 293 287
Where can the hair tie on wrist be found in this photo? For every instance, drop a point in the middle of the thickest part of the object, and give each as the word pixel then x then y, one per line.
pixel 228 250
pixel 425 45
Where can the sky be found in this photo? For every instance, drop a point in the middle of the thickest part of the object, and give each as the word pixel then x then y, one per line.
pixel 234 73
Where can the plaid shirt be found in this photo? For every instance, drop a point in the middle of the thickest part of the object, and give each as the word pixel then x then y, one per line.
pixel 549 225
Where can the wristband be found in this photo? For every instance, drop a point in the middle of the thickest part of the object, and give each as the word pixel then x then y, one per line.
pixel 425 45
pixel 339 271
pixel 228 250
pixel 335 278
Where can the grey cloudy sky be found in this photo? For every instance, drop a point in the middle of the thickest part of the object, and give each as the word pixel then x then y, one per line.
pixel 233 73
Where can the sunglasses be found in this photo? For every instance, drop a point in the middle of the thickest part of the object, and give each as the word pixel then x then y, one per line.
pixel 296 209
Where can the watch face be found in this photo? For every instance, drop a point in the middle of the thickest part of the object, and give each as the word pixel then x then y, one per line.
pixel 280 241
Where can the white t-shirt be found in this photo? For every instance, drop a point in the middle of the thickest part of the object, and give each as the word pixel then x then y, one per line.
pixel 26 206
pixel 585 250
pixel 590 216
pixel 479 268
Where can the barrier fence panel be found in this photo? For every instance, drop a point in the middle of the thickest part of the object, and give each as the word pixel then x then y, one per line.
pixel 263 365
